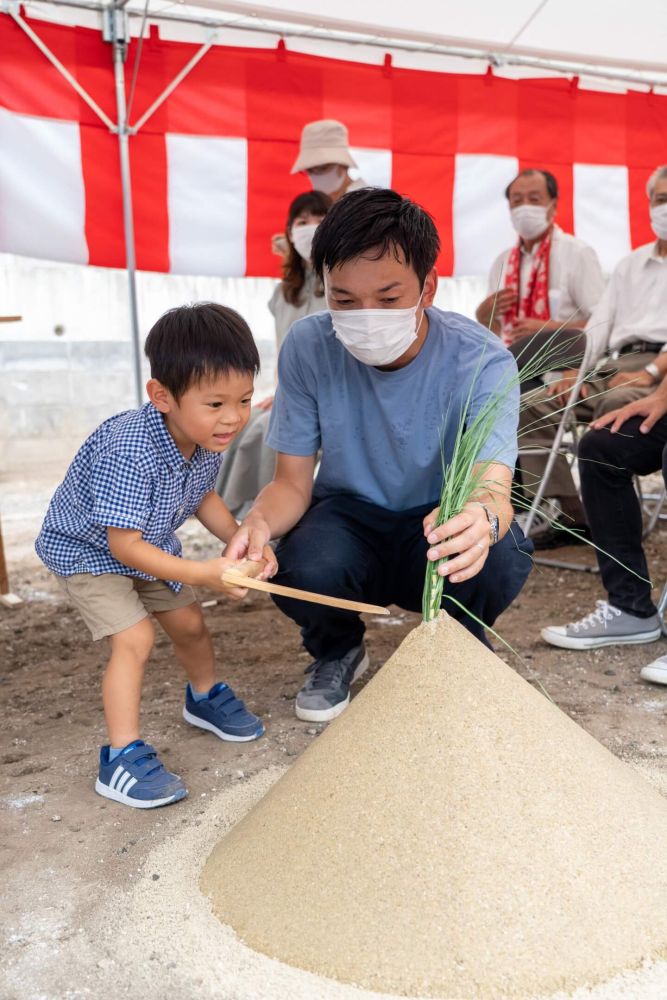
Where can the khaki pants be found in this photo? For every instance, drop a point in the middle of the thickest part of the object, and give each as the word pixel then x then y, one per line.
pixel 539 422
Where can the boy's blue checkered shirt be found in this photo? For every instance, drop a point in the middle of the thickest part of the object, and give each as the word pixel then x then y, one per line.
pixel 128 474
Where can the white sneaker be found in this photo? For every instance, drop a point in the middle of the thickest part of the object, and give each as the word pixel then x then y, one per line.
pixel 606 626
pixel 655 672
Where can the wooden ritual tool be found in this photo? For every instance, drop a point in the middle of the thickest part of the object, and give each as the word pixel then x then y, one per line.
pixel 245 575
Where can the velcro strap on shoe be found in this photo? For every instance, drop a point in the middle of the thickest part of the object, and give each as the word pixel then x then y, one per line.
pixel 144 760
pixel 227 703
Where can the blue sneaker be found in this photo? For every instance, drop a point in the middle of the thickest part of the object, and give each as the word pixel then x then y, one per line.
pixel 222 713
pixel 137 777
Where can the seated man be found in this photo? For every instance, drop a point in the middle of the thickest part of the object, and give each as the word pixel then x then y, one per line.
pixel 609 461
pixel 549 281
pixel 627 340
pixel 371 382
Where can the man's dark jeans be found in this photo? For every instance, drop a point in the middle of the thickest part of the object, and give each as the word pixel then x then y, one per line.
pixel 607 464
pixel 348 548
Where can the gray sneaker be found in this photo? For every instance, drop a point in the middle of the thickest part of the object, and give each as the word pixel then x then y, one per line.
pixel 326 693
pixel 606 626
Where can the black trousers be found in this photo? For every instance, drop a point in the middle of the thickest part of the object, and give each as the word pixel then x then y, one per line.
pixel 348 548
pixel 549 352
pixel 607 463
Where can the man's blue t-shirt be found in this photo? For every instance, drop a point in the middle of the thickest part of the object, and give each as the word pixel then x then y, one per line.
pixel 381 431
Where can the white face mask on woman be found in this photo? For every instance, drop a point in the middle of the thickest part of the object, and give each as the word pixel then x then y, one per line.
pixel 659 221
pixel 302 238
pixel 529 221
pixel 328 181
pixel 376 337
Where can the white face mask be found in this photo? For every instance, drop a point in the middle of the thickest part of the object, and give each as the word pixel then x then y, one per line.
pixel 530 221
pixel 376 336
pixel 302 238
pixel 327 182
pixel 659 221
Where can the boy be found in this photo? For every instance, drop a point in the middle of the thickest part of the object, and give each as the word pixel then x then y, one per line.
pixel 109 536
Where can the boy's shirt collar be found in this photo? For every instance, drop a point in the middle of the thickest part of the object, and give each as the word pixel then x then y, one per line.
pixel 168 448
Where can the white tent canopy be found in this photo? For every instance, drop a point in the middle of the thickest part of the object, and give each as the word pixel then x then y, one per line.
pixel 607 33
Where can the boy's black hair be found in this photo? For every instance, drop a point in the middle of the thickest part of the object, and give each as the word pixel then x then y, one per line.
pixel 198 341
pixel 550 180
pixel 380 221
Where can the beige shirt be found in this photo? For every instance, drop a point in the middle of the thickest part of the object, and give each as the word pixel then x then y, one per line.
pixel 284 313
pixel 633 306
pixel 575 276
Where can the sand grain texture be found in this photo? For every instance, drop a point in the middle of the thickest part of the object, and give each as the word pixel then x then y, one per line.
pixel 452 834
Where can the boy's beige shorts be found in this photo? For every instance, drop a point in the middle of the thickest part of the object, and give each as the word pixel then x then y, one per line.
pixel 110 603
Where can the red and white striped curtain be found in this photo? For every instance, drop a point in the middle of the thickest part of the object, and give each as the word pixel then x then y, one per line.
pixel 210 168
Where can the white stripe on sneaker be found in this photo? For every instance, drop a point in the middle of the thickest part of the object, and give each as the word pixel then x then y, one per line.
pixel 115 777
pixel 124 781
pixel 131 783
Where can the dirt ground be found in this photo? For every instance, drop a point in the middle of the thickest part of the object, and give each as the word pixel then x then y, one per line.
pixel 62 848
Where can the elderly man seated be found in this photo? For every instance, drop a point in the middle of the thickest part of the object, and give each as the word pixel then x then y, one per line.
pixel 545 287
pixel 627 342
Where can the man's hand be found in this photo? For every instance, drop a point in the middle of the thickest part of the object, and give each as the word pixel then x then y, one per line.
pixel 652 407
pixel 251 541
pixel 495 305
pixel 640 378
pixel 526 327
pixel 465 537
pixel 265 404
pixel 563 387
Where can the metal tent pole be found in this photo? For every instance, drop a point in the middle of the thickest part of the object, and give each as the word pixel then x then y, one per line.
pixel 116 31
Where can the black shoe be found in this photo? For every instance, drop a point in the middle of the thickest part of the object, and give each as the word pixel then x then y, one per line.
pixel 555 537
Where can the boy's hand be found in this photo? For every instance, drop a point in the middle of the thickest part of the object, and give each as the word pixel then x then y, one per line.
pixel 209 574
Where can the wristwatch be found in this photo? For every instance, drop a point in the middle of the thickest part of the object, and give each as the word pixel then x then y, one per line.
pixel 653 370
pixel 493 522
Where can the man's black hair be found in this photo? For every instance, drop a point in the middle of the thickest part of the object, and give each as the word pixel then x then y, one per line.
pixel 198 341
pixel 376 221
pixel 549 179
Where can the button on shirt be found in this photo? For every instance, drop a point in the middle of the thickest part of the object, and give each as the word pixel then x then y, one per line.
pixel 381 431
pixel 128 474
pixel 633 307
pixel 576 282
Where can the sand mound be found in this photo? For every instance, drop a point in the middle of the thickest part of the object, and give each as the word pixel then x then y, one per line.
pixel 452 834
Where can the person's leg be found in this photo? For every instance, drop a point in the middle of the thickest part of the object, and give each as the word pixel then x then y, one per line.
pixel 542 352
pixel 248 464
pixel 485 596
pixel 607 464
pixel 334 549
pixel 123 679
pixel 192 644
pixel 208 705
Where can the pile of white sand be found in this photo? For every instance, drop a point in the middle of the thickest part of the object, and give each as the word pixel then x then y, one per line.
pixel 452 834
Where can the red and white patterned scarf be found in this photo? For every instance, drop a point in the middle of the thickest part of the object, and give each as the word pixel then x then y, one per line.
pixel 534 304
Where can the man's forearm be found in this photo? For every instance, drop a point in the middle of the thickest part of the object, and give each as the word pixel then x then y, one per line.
pixel 280 505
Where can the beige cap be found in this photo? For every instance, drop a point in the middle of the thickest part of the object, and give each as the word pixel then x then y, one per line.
pixel 323 142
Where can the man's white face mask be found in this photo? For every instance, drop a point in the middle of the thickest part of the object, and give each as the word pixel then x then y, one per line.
pixel 529 221
pixel 328 181
pixel 302 238
pixel 376 337
pixel 659 221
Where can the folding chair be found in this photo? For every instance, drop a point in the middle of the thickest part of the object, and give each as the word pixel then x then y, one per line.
pixel 566 425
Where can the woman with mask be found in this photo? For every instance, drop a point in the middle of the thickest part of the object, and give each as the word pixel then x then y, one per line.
pixel 249 462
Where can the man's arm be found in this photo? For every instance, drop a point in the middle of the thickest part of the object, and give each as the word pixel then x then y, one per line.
pixel 216 517
pixel 279 506
pixel 466 537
